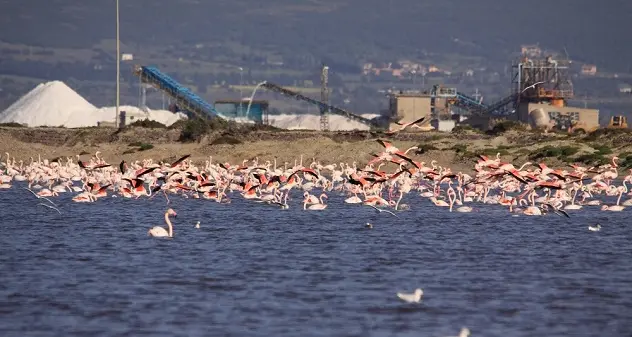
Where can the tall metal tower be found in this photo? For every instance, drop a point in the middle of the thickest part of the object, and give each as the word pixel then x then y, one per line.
pixel 324 97
pixel 543 79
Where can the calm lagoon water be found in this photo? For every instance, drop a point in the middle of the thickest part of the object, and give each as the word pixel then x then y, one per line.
pixel 255 270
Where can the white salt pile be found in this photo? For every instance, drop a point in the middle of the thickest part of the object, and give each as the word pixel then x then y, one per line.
pixel 55 104
pixel 49 104
pixel 134 114
pixel 312 122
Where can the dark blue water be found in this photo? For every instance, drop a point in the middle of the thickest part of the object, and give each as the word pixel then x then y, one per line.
pixel 255 270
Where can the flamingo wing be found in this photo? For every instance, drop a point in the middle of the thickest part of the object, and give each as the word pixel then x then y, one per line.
pixel 146 171
pixel 384 143
pixel 175 163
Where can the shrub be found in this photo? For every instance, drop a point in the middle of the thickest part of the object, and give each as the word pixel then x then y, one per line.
pixel 146 123
pixel 463 128
pixel 145 146
pixel 459 148
pixel 605 132
pixel 592 159
pixel 504 126
pixel 602 149
pixel 12 125
pixel 226 139
pixel 491 152
pixel 626 160
pixel 423 148
pixel 562 152
pixel 193 130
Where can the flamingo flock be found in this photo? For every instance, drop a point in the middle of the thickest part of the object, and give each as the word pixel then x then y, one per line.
pixel 530 189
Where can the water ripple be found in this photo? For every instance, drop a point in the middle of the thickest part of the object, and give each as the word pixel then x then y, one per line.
pixel 254 270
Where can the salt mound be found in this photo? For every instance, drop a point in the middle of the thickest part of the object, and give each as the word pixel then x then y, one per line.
pixel 312 122
pixel 106 114
pixel 49 104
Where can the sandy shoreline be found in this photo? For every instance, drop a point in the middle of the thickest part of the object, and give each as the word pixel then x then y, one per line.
pixel 284 146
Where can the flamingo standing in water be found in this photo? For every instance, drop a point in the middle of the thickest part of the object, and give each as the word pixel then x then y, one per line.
pixel 319 206
pixel 160 232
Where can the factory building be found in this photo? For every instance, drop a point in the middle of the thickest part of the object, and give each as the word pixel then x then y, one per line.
pixel 560 116
pixel 407 107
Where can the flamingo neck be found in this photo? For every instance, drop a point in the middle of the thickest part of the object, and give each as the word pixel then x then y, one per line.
pixel 169 224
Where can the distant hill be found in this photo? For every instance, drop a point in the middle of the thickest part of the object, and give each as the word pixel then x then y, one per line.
pixel 342 29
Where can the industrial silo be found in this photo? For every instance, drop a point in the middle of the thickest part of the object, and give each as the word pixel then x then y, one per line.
pixel 539 119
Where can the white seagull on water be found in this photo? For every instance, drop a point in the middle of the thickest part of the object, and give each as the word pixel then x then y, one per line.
pixel 411 298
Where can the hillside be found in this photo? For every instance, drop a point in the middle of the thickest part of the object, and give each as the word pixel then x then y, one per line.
pixel 458 150
pixel 338 29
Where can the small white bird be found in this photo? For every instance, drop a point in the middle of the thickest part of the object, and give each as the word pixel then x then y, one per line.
pixel 369 225
pixel 197 225
pixel 594 228
pixel 465 332
pixel 532 86
pixel 411 298
pixel 383 210
pixel 51 207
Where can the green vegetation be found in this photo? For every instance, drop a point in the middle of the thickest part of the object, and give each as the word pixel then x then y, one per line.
pixel 459 148
pixel 464 154
pixel 605 133
pixel 492 152
pixel 625 160
pixel 592 159
pixel 425 147
pixel 12 125
pixel 602 149
pixel 464 128
pixel 145 146
pixel 193 130
pixel 505 126
pixel 141 146
pixel 226 139
pixel 146 123
pixel 560 152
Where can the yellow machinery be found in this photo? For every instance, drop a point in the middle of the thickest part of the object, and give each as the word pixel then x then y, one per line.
pixel 618 122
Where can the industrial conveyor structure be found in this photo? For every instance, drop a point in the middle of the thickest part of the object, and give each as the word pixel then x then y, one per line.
pixel 184 98
pixel 323 106
pixel 501 107
pixel 458 99
pixel 469 103
pixel 472 105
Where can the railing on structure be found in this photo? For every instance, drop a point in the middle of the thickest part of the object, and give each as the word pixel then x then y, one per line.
pixel 458 99
pixel 332 109
pixel 185 98
pixel 470 103
pixel 497 107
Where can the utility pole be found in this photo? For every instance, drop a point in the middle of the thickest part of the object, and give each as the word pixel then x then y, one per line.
pixel 241 94
pixel 324 97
